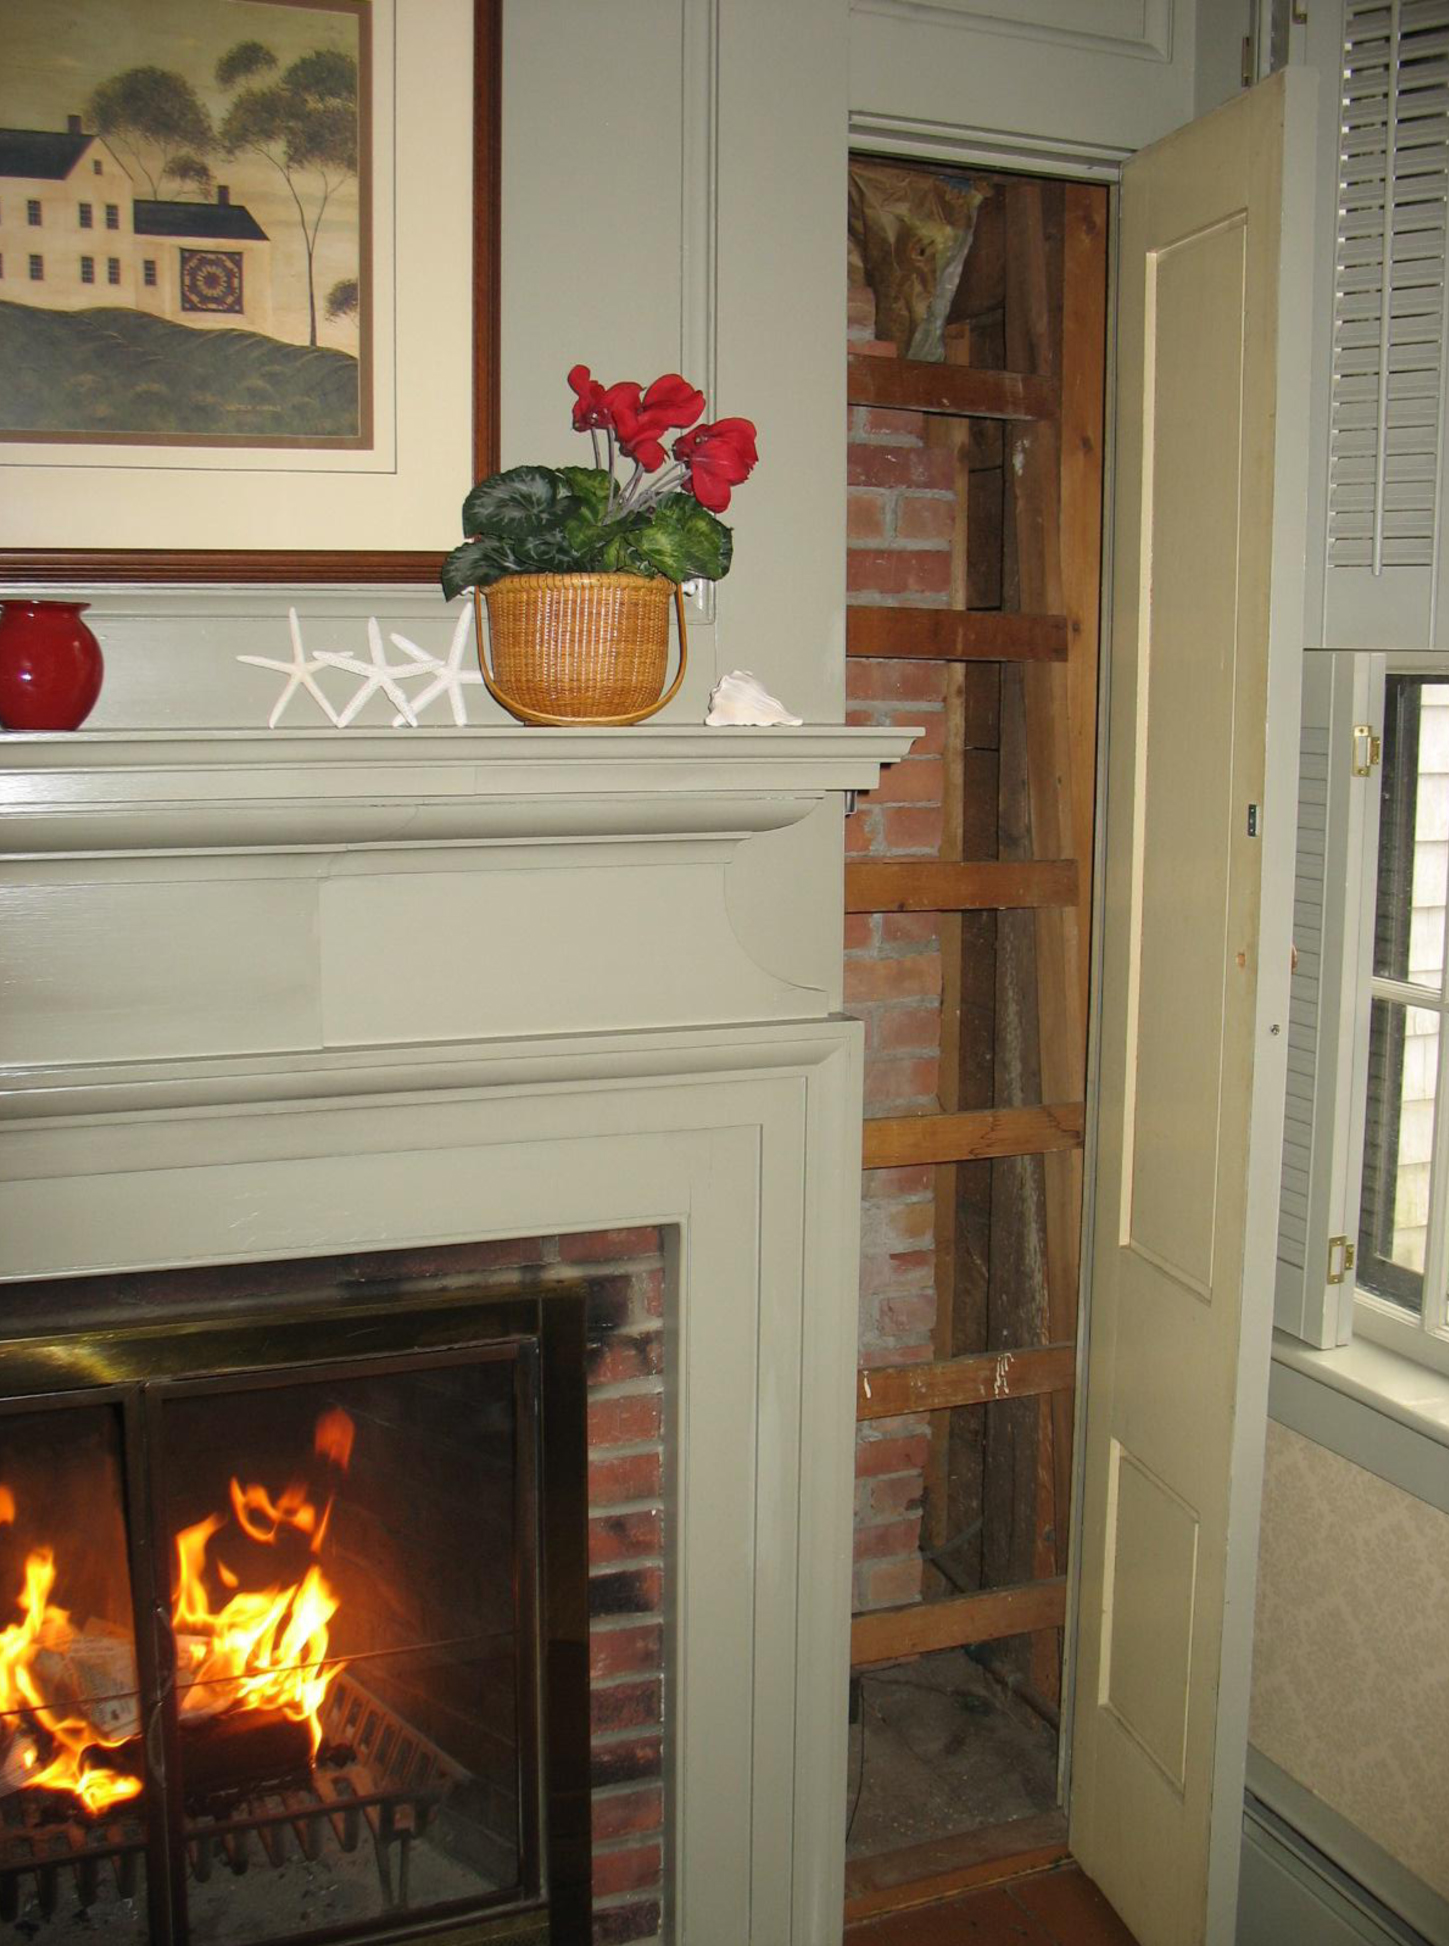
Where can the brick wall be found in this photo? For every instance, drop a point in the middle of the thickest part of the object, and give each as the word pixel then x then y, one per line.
pixel 625 1366
pixel 901 516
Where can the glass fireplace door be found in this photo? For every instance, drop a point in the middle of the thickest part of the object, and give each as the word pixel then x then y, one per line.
pixel 347 1604
pixel 268 1653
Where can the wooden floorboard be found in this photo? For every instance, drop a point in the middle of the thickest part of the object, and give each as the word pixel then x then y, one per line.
pixel 940 1868
pixel 1060 1907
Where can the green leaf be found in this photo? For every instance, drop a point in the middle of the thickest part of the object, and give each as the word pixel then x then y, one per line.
pixel 590 487
pixel 524 500
pixel 684 541
pixel 473 565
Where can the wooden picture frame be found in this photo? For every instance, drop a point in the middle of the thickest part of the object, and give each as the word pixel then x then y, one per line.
pixel 86 566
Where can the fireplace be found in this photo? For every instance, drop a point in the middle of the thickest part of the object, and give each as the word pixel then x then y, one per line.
pixel 292 999
pixel 294 1610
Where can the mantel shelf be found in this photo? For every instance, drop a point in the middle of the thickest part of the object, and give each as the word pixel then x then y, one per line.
pixel 188 791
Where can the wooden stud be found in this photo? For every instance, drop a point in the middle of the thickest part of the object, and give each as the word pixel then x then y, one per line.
pixel 901 1141
pixel 981 885
pixel 958 634
pixel 908 385
pixel 892 1634
pixel 886 1391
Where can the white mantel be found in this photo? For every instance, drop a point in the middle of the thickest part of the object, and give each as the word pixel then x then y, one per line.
pixel 290 994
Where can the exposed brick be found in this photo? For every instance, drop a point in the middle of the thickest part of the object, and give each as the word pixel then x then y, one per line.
pixel 859 932
pixel 865 514
pixel 876 348
pixel 624 1706
pixel 628 1762
pixel 923 518
pixel 907 828
pixel 897 1493
pixel 627 1814
pixel 627 1421
pixel 625 1537
pixel 888 1584
pixel 625 1651
pixel 895 680
pixel 622 1925
pixel 862 830
pixel 636 1354
pixel 893 1537
pixel 907 1030
pixel 917 780
pixel 929 723
pixel 604 1246
pixel 888 1455
pixel 909 931
pixel 860 308
pixel 928 468
pixel 893 423
pixel 911 976
pixel 626 1591
pixel 632 1476
pixel 635 1869
pixel 897 571
pixel 905 1315
pixel 895 1083
pixel 889 1185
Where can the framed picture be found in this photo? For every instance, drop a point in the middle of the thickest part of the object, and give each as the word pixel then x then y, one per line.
pixel 248 286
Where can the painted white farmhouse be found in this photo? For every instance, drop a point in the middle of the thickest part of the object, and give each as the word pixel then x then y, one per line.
pixel 73 234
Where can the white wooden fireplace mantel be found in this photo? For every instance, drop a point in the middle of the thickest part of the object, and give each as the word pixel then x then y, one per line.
pixel 285 994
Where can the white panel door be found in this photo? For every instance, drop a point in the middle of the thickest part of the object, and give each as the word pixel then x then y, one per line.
pixel 1203 728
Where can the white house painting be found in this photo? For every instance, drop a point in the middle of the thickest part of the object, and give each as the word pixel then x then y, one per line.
pixel 184 221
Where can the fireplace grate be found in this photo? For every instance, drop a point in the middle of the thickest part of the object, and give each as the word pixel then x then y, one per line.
pixel 376 1774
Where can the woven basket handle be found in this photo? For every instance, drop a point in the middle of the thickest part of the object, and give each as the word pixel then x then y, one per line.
pixel 527 715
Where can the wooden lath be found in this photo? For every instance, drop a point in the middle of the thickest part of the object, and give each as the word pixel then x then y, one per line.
pixel 980 885
pixel 953 634
pixel 976 1134
pixel 887 1391
pixel 888 1634
pixel 961 391
pixel 939 1868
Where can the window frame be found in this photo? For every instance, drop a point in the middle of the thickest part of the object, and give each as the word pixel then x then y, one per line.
pixel 1379 1319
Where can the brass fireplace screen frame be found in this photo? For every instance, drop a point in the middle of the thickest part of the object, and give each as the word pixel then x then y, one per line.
pixel 282 1340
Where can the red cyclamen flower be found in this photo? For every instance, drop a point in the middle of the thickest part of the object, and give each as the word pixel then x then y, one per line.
pixel 718 458
pixel 670 401
pixel 596 407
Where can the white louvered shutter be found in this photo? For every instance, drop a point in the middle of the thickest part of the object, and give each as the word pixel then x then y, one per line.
pixel 1387 374
pixel 1323 1119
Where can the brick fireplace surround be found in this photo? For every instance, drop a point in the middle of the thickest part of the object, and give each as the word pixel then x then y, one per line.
pixel 269 996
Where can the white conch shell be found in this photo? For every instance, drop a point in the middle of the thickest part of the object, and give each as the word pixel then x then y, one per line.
pixel 741 698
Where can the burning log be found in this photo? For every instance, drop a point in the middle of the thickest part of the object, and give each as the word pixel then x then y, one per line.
pixel 224 1759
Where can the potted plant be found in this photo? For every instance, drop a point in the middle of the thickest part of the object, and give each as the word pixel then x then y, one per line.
pixel 578 567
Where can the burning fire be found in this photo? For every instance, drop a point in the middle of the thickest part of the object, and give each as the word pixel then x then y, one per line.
pixel 263 1650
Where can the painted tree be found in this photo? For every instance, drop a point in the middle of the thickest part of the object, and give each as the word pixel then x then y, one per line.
pixel 343 299
pixel 154 118
pixel 303 122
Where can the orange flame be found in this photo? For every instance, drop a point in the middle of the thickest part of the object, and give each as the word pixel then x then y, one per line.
pixel 260 1650
pixel 335 1432
pixel 74 1766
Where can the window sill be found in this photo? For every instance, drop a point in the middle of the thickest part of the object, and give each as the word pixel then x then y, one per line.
pixel 1371 1406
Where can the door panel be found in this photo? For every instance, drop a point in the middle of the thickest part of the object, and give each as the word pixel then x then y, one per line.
pixel 1197 909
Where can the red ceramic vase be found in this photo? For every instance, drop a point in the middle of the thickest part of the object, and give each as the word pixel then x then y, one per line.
pixel 50 665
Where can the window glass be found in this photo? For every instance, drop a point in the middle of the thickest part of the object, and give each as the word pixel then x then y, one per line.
pixel 86 215
pixel 37 270
pixel 32 212
pixel 1401 1242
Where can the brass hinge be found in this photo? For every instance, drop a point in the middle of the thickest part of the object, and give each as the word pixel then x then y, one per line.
pixel 1368 749
pixel 1342 1248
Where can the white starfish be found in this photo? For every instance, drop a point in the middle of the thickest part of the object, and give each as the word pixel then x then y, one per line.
pixel 300 673
pixel 448 676
pixel 377 674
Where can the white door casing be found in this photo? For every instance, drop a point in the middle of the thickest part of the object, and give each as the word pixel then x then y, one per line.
pixel 1201 771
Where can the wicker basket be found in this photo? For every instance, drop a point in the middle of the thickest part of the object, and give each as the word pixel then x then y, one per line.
pixel 579 648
